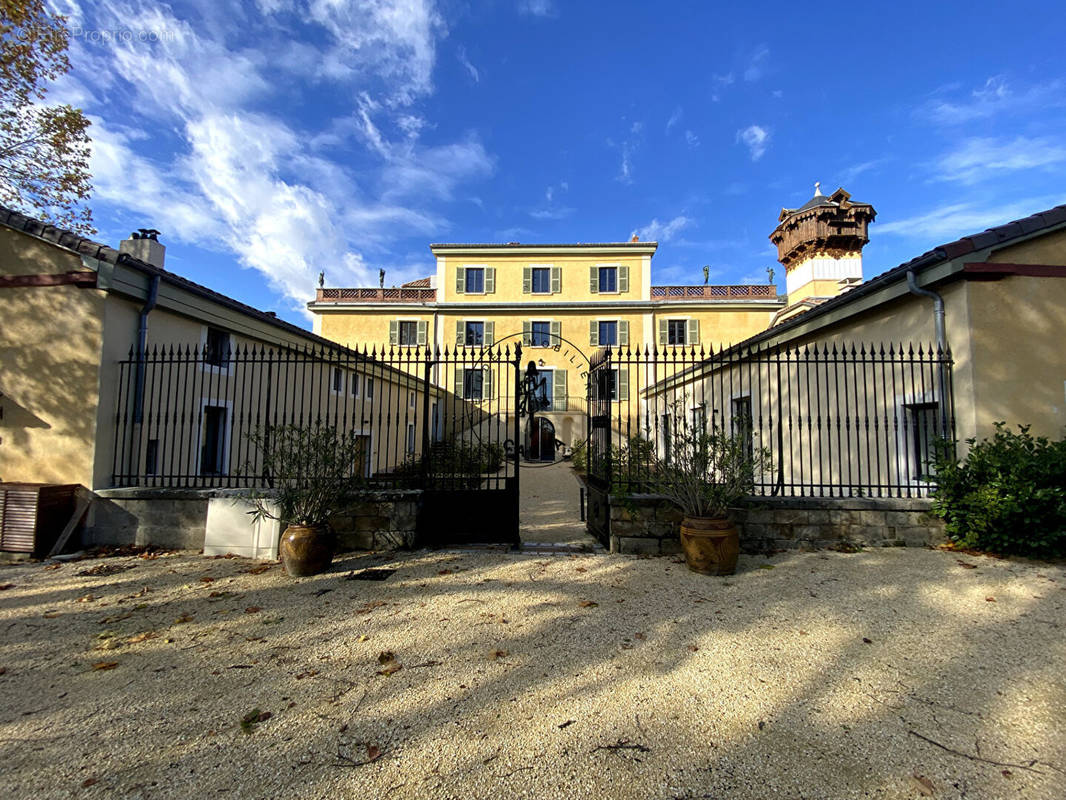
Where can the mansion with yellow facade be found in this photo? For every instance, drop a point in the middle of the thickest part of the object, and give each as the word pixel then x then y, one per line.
pixel 562 302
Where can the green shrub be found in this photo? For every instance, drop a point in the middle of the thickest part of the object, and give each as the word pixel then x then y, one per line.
pixel 1008 496
pixel 579 457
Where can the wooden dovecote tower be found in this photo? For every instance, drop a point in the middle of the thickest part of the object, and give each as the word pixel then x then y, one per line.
pixel 820 245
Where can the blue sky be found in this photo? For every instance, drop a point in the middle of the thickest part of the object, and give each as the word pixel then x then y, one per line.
pixel 270 140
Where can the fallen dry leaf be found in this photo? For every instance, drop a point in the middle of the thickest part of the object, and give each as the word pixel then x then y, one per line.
pixel 588 604
pixel 142 637
pixel 990 599
pixel 102 665
pixel 373 752
pixel 924 786
pixel 252 610
pixel 3 670
pixel 694 648
pixel 4 586
pixel 496 655
pixel 183 619
pixel 385 656
pixel 85 784
pixel 86 599
pixel 51 614
pixel 582 569
pixel 867 641
pixel 965 564
pixel 308 674
pixel 207 579
pixel 445 572
pixel 639 636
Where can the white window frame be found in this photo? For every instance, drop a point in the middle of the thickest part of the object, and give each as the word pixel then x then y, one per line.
pixel 333 390
pixel 547 322
pixel 228 434
pixel 212 368
pixel 684 324
pixel 546 267
pixel 599 338
pixel 480 322
pixel 484 271
pixel 617 274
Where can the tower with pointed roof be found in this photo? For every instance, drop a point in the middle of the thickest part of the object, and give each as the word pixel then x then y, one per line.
pixel 820 245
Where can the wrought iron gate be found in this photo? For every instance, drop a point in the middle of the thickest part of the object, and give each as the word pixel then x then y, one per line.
pixel 598 397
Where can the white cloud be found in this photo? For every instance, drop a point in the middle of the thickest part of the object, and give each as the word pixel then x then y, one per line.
pixel 656 231
pixel 848 174
pixel 719 82
pixel 561 212
pixel 755 138
pixel 756 63
pixel 537 8
pixel 692 139
pixel 949 222
pixel 674 118
pixel 978 158
pixel 995 98
pixel 195 158
pixel 470 68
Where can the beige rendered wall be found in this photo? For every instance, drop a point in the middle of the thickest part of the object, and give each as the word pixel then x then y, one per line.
pixel 1019 353
pixel 1048 248
pixel 50 340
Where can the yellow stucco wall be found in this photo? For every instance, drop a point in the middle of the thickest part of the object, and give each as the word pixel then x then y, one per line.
pixel 575 274
pixel 50 343
pixel 1047 249
pixel 815 288
pixel 1018 353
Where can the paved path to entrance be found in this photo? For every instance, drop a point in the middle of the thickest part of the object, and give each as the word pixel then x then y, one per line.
pixel 550 511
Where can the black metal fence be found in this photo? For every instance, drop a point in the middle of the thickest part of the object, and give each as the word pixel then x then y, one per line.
pixel 834 419
pixel 189 416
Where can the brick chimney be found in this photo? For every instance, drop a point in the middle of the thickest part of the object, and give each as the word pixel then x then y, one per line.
pixel 144 245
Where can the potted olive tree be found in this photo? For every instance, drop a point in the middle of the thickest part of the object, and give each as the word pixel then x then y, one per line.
pixel 313 472
pixel 706 474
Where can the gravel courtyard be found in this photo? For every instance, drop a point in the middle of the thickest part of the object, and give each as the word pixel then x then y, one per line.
pixel 890 673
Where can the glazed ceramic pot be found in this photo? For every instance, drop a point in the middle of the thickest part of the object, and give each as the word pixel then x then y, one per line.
pixel 711 545
pixel 306 549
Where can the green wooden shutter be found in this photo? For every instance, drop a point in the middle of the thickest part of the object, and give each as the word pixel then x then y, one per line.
pixel 663 331
pixel 623 333
pixel 527 280
pixel 557 280
pixel 458 381
pixel 623 279
pixel 486 383
pixel 527 332
pixel 394 331
pixel 423 327
pixel 623 384
pixel 594 333
pixel 460 280
pixel 594 280
pixel 557 333
pixel 559 390
pixel 460 333
pixel 490 334
pixel 692 335
pixel 490 280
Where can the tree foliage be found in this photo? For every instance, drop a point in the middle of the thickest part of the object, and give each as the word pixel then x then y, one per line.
pixel 44 149
pixel 1008 496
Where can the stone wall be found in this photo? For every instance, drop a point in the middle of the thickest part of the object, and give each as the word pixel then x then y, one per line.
pixel 648 524
pixel 177 518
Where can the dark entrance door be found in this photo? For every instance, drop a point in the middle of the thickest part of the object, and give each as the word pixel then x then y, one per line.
pixel 542 440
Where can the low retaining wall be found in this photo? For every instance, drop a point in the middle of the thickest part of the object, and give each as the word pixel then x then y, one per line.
pixel 648 524
pixel 177 518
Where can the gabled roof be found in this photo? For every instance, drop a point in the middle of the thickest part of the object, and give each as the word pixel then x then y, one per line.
pixel 102 252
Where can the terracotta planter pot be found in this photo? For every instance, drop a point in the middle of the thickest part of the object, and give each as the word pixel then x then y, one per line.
pixel 711 545
pixel 306 550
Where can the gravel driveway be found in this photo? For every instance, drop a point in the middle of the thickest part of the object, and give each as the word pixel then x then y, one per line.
pixel 889 673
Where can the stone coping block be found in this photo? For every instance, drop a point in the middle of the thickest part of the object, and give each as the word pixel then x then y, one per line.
pixel 812 503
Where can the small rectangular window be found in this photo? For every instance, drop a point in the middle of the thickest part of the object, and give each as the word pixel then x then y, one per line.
pixel 742 422
pixel 216 348
pixel 608 333
pixel 475 280
pixel 353 387
pixel 473 384
pixel 608 279
pixel 608 384
pixel 338 380
pixel 922 418
pixel 675 331
pixel 213 440
pixel 411 400
pixel 542 280
pixel 540 334
pixel 410 438
pixel 475 334
pixel 369 388
pixel 543 391
pixel 151 457
pixel 408 333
